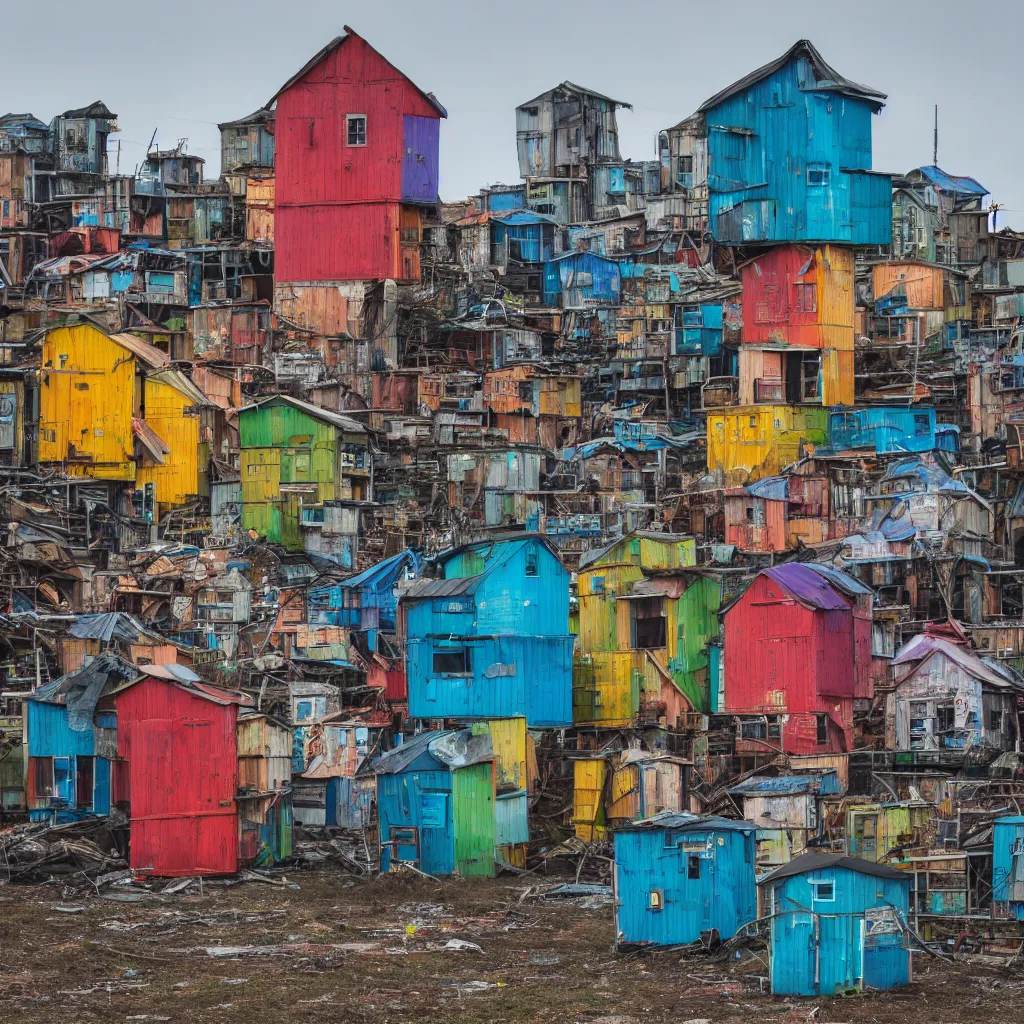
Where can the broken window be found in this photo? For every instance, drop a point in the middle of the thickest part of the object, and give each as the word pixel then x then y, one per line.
pixel 649 630
pixel 755 730
pixel 822 730
pixel 356 129
pixel 921 425
pixel 531 562
pixel 453 661
pixel 945 718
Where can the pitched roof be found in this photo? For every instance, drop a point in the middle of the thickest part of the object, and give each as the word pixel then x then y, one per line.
pixel 261 116
pixel 920 648
pixel 327 415
pixel 818 861
pixel 95 109
pixel 455 748
pixel 422 589
pixel 581 90
pixel 321 55
pixel 828 79
pixel 810 588
pixel 142 350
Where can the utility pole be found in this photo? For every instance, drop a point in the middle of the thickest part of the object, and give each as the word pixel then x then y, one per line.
pixel 935 139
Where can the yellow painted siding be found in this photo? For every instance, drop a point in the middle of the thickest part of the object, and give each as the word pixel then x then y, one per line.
pixel 750 442
pixel 88 395
pixel 183 474
pixel 508 738
pixel 588 793
pixel 834 272
pixel 624 798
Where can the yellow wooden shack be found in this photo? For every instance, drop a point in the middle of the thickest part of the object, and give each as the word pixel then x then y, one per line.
pixel 640 647
pixel 746 443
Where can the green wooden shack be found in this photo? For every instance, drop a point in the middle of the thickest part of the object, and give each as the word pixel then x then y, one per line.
pixel 295 455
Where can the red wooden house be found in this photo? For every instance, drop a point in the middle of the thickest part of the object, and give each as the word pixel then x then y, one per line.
pixel 789 666
pixel 179 741
pixel 356 158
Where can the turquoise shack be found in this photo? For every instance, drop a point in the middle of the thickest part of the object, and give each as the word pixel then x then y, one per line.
pixel 838 925
pixel 1008 867
pixel 682 877
pixel 436 804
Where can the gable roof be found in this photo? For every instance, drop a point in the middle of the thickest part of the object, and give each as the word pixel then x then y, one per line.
pixel 261 116
pixel 327 415
pixel 817 861
pixel 922 647
pixel 810 588
pixel 582 90
pixel 95 109
pixel 321 55
pixel 828 79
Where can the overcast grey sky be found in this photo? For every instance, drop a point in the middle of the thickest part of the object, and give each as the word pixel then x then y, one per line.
pixel 181 67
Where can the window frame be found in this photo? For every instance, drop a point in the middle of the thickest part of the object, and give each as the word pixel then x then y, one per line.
pixel 450 652
pixel 817 885
pixel 349 120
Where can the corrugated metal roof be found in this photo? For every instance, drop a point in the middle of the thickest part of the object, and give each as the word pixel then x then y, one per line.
pixel 149 354
pixel 840 580
pixel 441 588
pixel 582 91
pixel 327 415
pixel 322 55
pixel 818 861
pixel 829 80
pixel 682 821
pixel 108 626
pixel 807 586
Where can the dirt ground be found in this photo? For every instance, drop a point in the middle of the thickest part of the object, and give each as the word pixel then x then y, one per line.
pixel 333 948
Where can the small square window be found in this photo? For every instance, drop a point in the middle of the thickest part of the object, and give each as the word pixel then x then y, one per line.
pixel 823 892
pixel 818 175
pixel 356 129
pixel 656 899
pixel 597 585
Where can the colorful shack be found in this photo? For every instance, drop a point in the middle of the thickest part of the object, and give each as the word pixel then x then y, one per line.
pixel 646 617
pixel 747 443
pixel 679 877
pixel 293 455
pixel 1008 867
pixel 356 157
pixel 436 804
pixel 178 736
pixel 72 743
pixel 798 308
pixel 837 925
pixel 789 664
pixel 491 639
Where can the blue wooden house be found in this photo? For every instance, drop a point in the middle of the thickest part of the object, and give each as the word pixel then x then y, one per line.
pixel 891 429
pixel 837 925
pixel 678 875
pixel 435 804
pixel 1008 865
pixel 491 638
pixel 789 156
pixel 583 280
pixel 366 602
pixel 522 236
pixel 71 744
